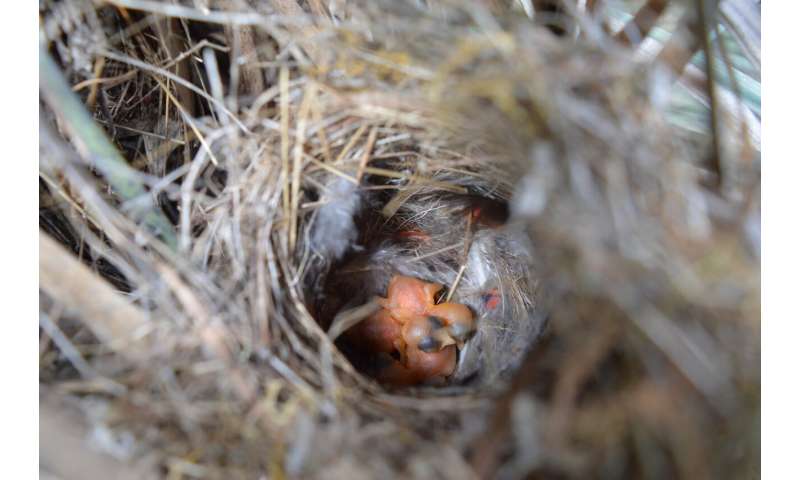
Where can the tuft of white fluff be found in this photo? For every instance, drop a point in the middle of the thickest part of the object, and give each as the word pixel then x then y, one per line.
pixel 335 230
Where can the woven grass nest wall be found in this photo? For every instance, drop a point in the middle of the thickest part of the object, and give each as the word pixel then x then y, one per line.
pixel 222 181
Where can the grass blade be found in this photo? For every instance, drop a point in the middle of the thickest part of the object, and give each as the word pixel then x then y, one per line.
pixel 93 144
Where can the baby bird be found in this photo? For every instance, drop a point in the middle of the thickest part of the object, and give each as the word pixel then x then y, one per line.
pixel 379 333
pixel 420 334
pixel 426 333
pixel 419 367
pixel 409 298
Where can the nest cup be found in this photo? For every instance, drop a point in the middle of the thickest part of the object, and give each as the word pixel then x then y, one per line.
pixel 271 165
pixel 462 241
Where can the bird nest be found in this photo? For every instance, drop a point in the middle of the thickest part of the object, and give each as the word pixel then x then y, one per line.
pixel 272 166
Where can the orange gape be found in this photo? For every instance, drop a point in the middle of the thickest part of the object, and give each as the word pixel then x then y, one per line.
pixel 422 333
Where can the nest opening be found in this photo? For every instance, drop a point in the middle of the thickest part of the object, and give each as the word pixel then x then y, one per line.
pixel 446 238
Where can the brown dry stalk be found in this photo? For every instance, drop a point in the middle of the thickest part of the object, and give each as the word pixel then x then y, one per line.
pixel 641 24
pixel 242 40
pixel 169 32
pixel 691 36
pixel 297 167
pixel 98 70
pixel 373 134
pixel 682 46
pixel 284 89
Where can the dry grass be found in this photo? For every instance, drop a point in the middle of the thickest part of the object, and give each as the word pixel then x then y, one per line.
pixel 303 153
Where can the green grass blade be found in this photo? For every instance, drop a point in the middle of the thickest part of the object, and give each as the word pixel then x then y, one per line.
pixel 98 149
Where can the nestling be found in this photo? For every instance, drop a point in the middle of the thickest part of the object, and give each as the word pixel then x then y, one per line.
pixel 420 335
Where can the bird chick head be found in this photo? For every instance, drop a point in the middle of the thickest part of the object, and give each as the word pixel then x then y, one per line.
pixel 427 333
pixel 408 297
pixel 459 321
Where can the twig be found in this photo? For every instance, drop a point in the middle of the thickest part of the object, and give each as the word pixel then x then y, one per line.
pixel 681 47
pixel 468 235
pixel 349 318
pixel 637 29
pixel 705 15
pixel 172 44
pixel 189 13
pixel 457 280
pixel 333 170
pixel 283 81
pixel 243 43
pixel 737 91
pixel 350 143
pixel 98 70
pixel 302 120
pixel 67 348
pixel 373 134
